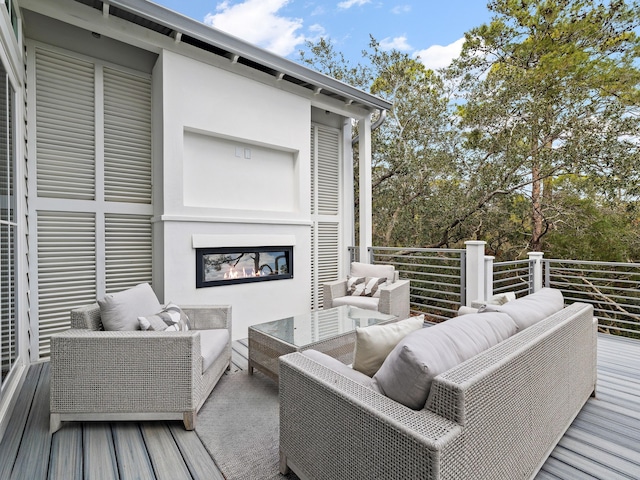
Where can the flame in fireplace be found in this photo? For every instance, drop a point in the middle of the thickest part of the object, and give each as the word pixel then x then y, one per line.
pixel 233 273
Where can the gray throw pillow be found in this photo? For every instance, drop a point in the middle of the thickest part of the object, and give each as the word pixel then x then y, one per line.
pixel 530 309
pixel 171 318
pixel 120 311
pixel 408 371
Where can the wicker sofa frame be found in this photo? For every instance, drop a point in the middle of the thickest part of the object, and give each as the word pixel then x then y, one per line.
pixel 133 375
pixel 496 416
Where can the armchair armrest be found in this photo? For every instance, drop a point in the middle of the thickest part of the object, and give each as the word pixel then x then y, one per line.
pixel 319 437
pixel 206 317
pixel 331 290
pixel 124 371
pixel 394 299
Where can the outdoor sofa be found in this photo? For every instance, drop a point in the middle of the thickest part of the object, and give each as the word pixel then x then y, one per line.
pixel 137 375
pixel 496 415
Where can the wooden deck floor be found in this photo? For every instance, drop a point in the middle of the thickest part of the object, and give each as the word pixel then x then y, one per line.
pixel 603 442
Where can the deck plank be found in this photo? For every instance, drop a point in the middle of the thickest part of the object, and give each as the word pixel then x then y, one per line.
pixel 66 453
pixel 131 452
pixel 13 435
pixel 33 456
pixel 198 460
pixel 99 457
pixel 166 459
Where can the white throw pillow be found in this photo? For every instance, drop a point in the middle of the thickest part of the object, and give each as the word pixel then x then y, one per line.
pixel 374 343
pixel 365 286
pixel 120 311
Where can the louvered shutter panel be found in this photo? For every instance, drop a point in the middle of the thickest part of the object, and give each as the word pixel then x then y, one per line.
pixel 325 205
pixel 127 137
pixel 328 168
pixel 66 269
pixel 65 127
pixel 328 257
pixel 127 251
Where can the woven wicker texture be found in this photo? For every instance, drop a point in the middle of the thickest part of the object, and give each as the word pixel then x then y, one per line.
pixel 496 416
pixel 99 372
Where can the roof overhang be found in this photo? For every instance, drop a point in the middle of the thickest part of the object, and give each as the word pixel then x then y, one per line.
pixel 188 31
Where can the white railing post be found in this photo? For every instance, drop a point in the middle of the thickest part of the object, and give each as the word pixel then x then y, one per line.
pixel 475 271
pixel 488 276
pixel 536 259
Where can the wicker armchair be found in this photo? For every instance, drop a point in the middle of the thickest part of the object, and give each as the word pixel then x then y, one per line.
pixel 137 375
pixel 393 298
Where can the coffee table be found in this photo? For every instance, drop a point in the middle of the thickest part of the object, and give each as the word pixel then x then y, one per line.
pixel 331 331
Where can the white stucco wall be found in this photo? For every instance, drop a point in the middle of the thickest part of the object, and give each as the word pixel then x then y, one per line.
pixel 215 109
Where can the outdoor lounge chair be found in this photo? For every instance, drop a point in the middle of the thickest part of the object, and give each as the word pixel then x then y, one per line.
pixel 137 375
pixel 390 296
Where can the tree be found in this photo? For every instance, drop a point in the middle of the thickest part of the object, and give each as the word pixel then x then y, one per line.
pixel 551 88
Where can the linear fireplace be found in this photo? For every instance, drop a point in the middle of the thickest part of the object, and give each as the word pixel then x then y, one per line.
pixel 232 265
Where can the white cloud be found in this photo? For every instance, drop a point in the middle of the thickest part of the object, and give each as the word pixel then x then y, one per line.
pixel 437 56
pixel 398 43
pixel 258 22
pixel 399 9
pixel 350 3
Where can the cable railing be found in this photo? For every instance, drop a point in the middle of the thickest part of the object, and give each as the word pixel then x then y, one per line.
pixel 437 277
pixel 612 288
pixel 514 276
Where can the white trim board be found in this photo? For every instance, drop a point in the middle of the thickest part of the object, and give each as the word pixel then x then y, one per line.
pixel 218 241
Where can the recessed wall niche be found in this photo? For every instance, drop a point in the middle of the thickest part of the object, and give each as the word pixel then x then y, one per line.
pixel 232 174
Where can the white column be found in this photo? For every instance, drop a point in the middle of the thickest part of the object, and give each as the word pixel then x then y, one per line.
pixel 475 271
pixel 536 258
pixel 488 276
pixel 364 153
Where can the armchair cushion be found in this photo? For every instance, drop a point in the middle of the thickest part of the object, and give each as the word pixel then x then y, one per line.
pixel 374 343
pixel 120 311
pixel 212 345
pixel 368 270
pixel 368 303
pixel 408 372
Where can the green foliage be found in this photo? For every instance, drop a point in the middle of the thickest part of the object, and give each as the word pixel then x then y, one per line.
pixel 530 140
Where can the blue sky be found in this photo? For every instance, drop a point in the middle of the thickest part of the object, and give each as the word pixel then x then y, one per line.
pixel 432 29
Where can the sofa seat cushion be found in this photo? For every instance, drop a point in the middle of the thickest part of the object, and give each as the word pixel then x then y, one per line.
pixel 212 344
pixel 408 371
pixel 339 367
pixel 368 303
pixel 120 311
pixel 375 342
pixel 532 308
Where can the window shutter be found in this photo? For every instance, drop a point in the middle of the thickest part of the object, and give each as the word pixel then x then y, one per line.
pixel 66 269
pixel 325 209
pixel 328 167
pixel 127 137
pixel 328 255
pixel 65 128
pixel 127 251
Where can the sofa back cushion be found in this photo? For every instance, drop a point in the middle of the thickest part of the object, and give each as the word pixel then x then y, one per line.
pixel 408 371
pixel 374 343
pixel 120 311
pixel 530 309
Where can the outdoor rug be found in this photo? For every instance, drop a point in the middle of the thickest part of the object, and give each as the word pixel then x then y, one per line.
pixel 239 426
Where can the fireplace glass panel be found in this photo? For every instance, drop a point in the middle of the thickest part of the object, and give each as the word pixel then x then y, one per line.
pixel 233 265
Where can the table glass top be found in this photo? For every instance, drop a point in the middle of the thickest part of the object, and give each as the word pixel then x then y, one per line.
pixel 301 330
